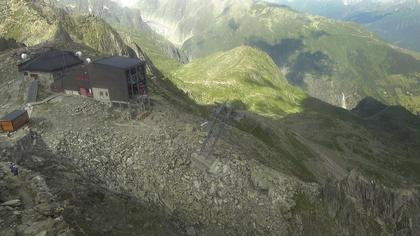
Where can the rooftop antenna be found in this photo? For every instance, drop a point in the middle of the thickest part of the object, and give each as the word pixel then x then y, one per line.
pixel 78 54
pixel 24 56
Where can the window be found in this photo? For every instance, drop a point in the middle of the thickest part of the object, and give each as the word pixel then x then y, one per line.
pixel 101 94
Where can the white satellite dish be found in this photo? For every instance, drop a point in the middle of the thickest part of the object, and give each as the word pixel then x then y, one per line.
pixel 78 54
pixel 88 60
pixel 24 56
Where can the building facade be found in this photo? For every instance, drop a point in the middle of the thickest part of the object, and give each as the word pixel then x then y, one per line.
pixel 49 67
pixel 113 79
pixel 14 121
pixel 110 80
pixel 118 79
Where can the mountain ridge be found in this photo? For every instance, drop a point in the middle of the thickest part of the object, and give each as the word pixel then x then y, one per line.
pixel 394 21
pixel 243 75
pixel 326 58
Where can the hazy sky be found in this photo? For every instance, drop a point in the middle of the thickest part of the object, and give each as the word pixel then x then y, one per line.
pixel 130 3
pixel 126 3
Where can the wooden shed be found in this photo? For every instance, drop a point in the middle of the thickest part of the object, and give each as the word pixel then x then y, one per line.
pixel 14 121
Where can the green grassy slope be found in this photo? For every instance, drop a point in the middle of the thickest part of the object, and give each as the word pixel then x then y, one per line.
pixel 244 75
pixel 323 56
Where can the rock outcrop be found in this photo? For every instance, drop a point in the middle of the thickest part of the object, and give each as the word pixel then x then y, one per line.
pixel 35 22
pixel 365 207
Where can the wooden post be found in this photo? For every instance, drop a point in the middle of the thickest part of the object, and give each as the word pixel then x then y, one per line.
pixel 138 80
pixel 129 111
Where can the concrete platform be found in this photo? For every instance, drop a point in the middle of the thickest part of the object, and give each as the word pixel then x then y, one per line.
pixel 201 162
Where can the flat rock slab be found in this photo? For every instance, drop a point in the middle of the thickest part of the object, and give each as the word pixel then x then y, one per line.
pixel 12 203
pixel 202 162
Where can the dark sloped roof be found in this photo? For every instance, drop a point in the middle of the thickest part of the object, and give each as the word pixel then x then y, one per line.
pixel 50 61
pixel 119 62
pixel 13 115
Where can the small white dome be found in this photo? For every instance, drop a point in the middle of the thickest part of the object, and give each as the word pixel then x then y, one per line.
pixel 78 54
pixel 24 56
pixel 88 60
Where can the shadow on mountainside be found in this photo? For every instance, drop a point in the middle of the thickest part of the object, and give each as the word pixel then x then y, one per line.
pixel 323 140
pixel 363 160
pixel 316 63
pixel 381 141
pixel 89 208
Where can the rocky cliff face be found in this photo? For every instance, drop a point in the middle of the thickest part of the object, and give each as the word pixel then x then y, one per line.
pixel 356 201
pixel 129 24
pixel 110 11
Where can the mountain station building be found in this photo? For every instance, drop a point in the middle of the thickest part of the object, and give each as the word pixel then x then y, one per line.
pixel 117 79
pixel 111 80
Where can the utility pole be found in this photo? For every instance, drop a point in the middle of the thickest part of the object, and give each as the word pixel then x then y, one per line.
pixel 205 159
pixel 217 126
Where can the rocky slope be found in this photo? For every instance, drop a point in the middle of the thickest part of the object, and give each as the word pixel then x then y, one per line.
pixel 35 22
pixel 272 178
pixel 52 196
